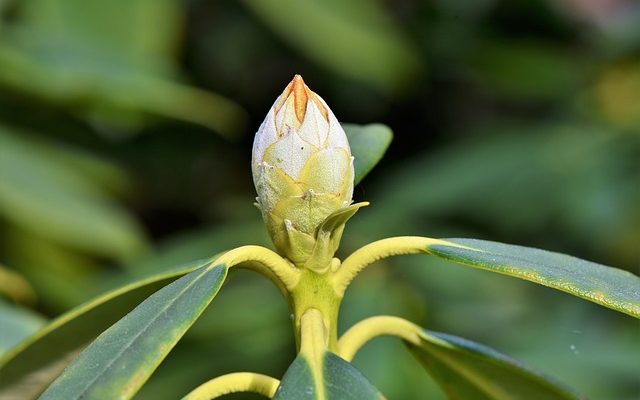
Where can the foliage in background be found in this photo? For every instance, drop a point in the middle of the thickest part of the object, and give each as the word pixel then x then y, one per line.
pixel 516 121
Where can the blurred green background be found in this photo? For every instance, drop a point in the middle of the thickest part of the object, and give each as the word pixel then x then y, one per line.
pixel 125 137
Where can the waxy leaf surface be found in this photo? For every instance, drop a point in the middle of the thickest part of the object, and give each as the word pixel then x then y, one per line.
pixel 30 367
pixel 339 381
pixel 368 144
pixel 468 371
pixel 122 358
pixel 610 287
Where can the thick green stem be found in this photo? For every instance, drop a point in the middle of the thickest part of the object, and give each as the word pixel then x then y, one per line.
pixel 315 291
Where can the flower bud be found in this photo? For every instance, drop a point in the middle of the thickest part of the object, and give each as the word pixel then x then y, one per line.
pixel 302 169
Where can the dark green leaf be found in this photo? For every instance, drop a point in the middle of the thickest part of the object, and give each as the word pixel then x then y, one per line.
pixel 469 371
pixel 341 381
pixel 28 369
pixel 122 358
pixel 368 144
pixel 354 39
pixel 297 382
pixel 610 287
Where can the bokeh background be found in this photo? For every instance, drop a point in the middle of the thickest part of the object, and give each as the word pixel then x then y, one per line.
pixel 125 139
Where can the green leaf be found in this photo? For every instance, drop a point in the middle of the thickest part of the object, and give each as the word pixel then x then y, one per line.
pixel 527 69
pixel 29 368
pixel 17 323
pixel 122 358
pixel 144 36
pixel 610 287
pixel 343 381
pixel 60 275
pixel 297 382
pixel 122 67
pixel 328 236
pixel 60 203
pixel 475 180
pixel 468 371
pixel 340 381
pixel 356 39
pixel 368 144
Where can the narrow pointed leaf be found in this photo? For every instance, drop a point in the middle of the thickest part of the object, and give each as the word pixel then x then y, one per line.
pixel 610 287
pixel 468 371
pixel 122 358
pixel 368 144
pixel 340 381
pixel 30 367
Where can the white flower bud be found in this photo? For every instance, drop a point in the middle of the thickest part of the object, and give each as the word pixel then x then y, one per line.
pixel 302 169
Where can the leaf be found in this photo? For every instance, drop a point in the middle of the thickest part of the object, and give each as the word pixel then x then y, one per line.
pixel 15 287
pixel 29 368
pixel 343 381
pixel 487 179
pixel 121 359
pixel 60 275
pixel 356 39
pixel 144 36
pixel 60 203
pixel 122 67
pixel 297 382
pixel 368 144
pixel 340 380
pixel 17 323
pixel 610 287
pixel 328 236
pixel 468 371
pixel 526 69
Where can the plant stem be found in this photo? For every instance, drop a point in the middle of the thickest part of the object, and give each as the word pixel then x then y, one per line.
pixel 370 328
pixel 265 261
pixel 235 383
pixel 378 250
pixel 315 291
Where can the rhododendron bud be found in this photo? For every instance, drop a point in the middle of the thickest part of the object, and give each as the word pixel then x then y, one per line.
pixel 302 169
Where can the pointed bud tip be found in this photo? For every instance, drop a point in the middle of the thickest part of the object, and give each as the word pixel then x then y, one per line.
pixel 297 80
pixel 300 96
